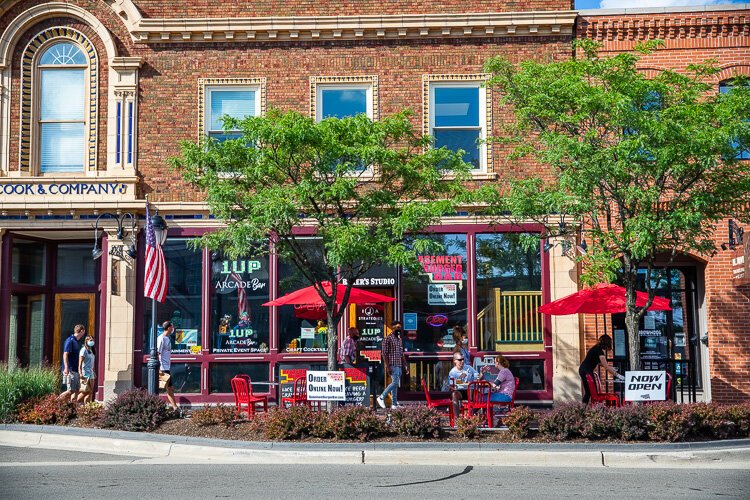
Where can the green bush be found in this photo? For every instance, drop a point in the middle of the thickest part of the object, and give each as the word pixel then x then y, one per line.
pixel 46 410
pixel 90 414
pixel 600 423
pixel 295 422
pixel 740 415
pixel 214 415
pixel 564 421
pixel 518 420
pixel 631 422
pixel 20 384
pixel 417 421
pixel 136 410
pixel 468 427
pixel 671 422
pixel 356 422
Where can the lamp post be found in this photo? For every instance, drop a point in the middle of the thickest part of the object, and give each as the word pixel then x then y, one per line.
pixel 116 251
pixel 160 232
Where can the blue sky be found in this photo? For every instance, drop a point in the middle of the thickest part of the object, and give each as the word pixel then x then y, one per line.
pixel 621 4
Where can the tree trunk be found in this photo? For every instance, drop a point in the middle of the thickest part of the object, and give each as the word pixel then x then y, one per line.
pixel 332 342
pixel 632 318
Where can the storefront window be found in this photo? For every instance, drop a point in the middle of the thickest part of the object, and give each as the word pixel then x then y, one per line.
pixel 75 267
pixel 530 374
pixel 239 322
pixel 186 377
pixel 302 329
pixel 509 291
pixel 221 375
pixel 183 303
pixel 437 296
pixel 29 263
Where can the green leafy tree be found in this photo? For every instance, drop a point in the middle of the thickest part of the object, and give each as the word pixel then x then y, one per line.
pixel 368 188
pixel 646 165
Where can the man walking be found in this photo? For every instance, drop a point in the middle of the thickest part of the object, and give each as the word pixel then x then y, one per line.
pixel 164 350
pixel 349 349
pixel 71 377
pixel 394 361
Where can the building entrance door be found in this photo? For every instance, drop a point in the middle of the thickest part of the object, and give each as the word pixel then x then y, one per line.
pixel 71 309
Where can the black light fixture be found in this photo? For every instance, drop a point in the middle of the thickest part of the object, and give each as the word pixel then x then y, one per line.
pixel 582 247
pixel 160 228
pixel 736 236
pixel 116 251
pixel 547 246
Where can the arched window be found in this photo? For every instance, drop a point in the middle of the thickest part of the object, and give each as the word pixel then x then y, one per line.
pixel 61 71
pixel 743 150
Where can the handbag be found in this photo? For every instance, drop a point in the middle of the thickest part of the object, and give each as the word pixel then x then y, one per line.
pixel 85 384
pixel 164 380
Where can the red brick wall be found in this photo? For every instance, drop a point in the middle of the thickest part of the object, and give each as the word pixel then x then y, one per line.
pixel 268 8
pixel 693 38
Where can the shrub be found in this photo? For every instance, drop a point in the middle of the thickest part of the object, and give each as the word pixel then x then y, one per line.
pixel 518 420
pixel 417 421
pixel 295 422
pixel 599 422
pixel 713 421
pixel 214 415
pixel 135 410
pixel 631 422
pixel 90 414
pixel 564 421
pixel 20 384
pixel 46 410
pixel 670 422
pixel 356 422
pixel 468 427
pixel 740 415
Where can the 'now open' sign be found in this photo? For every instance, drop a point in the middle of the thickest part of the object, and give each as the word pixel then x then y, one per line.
pixel 646 386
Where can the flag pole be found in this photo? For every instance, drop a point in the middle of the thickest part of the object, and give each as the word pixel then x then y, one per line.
pixel 156 234
pixel 153 360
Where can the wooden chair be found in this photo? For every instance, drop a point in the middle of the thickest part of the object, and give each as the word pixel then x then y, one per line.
pixel 479 399
pixel 438 403
pixel 608 398
pixel 242 387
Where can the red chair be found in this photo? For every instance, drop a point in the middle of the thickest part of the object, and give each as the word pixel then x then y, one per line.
pixel 299 395
pixel 438 403
pixel 601 397
pixel 242 387
pixel 479 399
pixel 508 404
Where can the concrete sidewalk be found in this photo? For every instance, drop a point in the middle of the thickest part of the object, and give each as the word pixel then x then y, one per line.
pixel 163 449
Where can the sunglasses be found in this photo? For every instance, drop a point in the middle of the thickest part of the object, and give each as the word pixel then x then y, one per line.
pixel 458 359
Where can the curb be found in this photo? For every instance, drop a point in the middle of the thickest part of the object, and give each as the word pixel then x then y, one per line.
pixel 164 450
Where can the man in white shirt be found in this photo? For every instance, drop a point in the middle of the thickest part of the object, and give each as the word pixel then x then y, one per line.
pixel 460 375
pixel 164 350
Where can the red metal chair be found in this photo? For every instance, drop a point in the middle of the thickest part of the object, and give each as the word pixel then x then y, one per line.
pixel 479 399
pixel 299 395
pixel 242 387
pixel 601 397
pixel 508 404
pixel 438 403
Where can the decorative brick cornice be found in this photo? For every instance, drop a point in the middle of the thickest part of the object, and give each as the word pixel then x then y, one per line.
pixel 665 26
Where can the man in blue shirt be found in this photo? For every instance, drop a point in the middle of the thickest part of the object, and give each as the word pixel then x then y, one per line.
pixel 460 375
pixel 71 351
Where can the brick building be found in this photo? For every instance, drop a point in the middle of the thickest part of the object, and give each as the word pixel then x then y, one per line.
pixel 97 95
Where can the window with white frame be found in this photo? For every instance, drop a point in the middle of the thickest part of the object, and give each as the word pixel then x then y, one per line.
pixel 62 72
pixel 457 119
pixel 234 101
pixel 343 100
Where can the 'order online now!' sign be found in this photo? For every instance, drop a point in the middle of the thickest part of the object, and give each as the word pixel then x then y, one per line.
pixel 326 386
pixel 646 386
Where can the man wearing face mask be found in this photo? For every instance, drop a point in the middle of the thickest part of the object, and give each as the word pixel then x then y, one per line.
pixel 461 339
pixel 349 349
pixel 394 362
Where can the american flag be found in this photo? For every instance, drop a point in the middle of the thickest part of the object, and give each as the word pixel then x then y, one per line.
pixel 155 283
pixel 241 295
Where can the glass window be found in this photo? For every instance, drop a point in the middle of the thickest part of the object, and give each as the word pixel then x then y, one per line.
pixel 433 372
pixel 437 295
pixel 301 328
pixel 186 377
pixel 75 267
pixel 530 373
pixel 62 108
pixel 743 150
pixel 183 303
pixel 26 339
pixel 221 375
pixel 239 322
pixel 509 290
pixel 457 119
pixel 29 262
pixel 339 101
pixel 235 102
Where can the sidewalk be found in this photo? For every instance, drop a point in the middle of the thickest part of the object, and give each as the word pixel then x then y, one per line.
pixel 163 449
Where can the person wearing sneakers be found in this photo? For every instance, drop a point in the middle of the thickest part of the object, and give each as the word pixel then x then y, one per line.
pixel 394 362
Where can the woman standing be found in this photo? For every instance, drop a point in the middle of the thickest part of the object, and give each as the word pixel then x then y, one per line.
pixel 594 358
pixel 462 344
pixel 86 369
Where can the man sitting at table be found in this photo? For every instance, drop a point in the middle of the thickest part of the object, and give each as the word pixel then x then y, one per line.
pixel 460 375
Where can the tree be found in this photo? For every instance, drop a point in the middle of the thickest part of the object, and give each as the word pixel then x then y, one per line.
pixel 646 165
pixel 367 188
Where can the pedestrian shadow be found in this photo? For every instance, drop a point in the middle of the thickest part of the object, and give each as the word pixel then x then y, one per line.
pixel 468 469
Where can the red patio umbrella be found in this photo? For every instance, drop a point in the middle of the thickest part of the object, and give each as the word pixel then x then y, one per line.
pixel 603 298
pixel 309 295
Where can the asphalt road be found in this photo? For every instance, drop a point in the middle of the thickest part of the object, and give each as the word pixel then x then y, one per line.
pixel 38 474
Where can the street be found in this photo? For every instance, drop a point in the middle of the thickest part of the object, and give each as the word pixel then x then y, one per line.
pixel 37 473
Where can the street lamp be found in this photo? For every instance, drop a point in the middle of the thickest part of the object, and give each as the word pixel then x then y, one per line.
pixel 116 250
pixel 160 234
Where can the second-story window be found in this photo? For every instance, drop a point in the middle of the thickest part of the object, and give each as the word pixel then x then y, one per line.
pixel 62 73
pixel 457 119
pixel 743 150
pixel 342 101
pixel 235 102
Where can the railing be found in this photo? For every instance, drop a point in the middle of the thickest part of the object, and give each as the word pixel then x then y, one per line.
pixel 514 318
pixel 684 379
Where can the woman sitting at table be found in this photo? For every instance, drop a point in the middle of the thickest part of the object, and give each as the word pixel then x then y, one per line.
pixel 460 374
pixel 505 383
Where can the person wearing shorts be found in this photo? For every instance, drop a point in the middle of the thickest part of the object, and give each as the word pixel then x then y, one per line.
pixel 71 377
pixel 164 350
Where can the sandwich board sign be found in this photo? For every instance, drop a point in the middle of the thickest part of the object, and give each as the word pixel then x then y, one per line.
pixel 646 386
